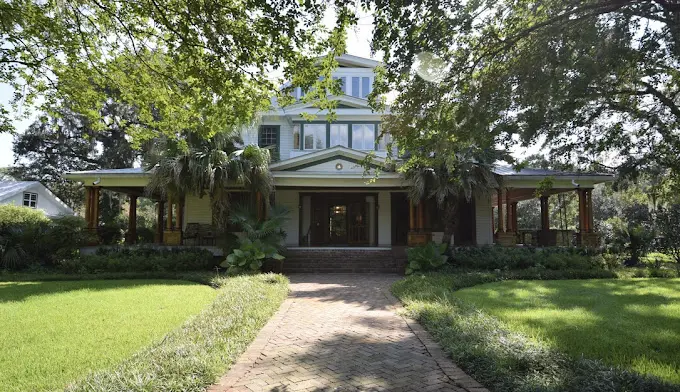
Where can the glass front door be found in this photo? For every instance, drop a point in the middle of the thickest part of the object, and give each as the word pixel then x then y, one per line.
pixel 337 224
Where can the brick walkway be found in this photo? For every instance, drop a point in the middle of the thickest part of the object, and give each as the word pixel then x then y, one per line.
pixel 341 333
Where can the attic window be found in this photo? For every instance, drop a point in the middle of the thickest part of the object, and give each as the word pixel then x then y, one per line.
pixel 31 199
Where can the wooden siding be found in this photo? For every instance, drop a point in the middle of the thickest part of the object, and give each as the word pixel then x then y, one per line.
pixel 197 210
pixel 483 220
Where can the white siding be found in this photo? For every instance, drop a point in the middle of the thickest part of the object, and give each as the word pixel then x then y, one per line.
pixel 197 210
pixel 384 218
pixel 290 200
pixel 47 202
pixel 483 220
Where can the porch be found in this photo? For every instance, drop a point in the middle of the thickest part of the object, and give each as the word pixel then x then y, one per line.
pixel 505 219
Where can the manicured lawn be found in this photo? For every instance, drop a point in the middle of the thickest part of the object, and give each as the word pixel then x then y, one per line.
pixel 631 323
pixel 53 333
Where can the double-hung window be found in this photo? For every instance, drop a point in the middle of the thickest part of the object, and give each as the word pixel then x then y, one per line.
pixel 361 86
pixel 31 199
pixel 268 136
pixel 363 136
pixel 339 135
pixel 315 136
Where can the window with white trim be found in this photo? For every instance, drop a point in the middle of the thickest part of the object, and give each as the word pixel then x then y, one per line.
pixel 315 136
pixel 339 135
pixel 296 137
pixel 363 136
pixel 361 86
pixel 385 140
pixel 31 199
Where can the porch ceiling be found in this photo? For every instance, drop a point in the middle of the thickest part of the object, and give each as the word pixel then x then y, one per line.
pixel 522 194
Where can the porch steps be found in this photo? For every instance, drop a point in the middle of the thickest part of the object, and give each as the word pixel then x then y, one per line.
pixel 344 261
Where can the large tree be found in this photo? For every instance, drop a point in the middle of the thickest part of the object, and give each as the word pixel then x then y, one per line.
pixel 182 64
pixel 585 77
pixel 53 145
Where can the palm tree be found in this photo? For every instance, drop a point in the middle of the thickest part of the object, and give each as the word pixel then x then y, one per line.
pixel 196 165
pixel 450 178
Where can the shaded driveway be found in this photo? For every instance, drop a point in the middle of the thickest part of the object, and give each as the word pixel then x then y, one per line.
pixel 341 333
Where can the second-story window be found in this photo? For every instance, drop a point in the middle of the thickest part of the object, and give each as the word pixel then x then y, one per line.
pixel 31 199
pixel 361 86
pixel 339 135
pixel 315 136
pixel 343 83
pixel 296 137
pixel 268 135
pixel 363 136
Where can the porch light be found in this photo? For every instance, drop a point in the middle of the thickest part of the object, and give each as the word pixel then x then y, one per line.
pixel 338 166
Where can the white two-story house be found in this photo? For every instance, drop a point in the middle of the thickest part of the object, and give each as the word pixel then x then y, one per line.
pixel 334 201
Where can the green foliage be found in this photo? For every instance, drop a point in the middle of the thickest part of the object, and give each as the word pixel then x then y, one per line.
pixel 249 257
pixel 582 77
pixel 633 233
pixel 28 238
pixel 668 223
pixel 140 259
pixel 161 59
pixel 426 257
pixel 262 239
pixel 45 322
pixel 194 355
pixel 502 258
pixel 499 358
pixel 11 215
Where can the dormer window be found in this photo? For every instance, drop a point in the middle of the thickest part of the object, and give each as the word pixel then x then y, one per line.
pixel 361 86
pixel 31 199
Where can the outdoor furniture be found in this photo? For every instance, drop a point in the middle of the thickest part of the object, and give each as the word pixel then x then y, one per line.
pixel 191 234
pixel 206 233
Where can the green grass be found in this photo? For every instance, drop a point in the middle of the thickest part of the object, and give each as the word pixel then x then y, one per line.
pixel 193 356
pixel 631 323
pixel 504 357
pixel 55 332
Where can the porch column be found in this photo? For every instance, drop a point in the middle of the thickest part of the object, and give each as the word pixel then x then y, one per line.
pixel 513 208
pixel 159 221
pixel 493 221
pixel 412 216
pixel 582 214
pixel 501 217
pixel 589 210
pixel 94 209
pixel 545 216
pixel 88 205
pixel 132 221
pixel 421 220
pixel 168 223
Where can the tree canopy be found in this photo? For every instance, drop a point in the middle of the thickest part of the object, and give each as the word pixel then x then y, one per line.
pixel 181 64
pixel 596 81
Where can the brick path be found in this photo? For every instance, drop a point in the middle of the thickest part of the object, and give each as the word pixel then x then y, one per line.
pixel 341 333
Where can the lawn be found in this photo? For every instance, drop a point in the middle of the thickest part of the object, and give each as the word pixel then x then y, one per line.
pixel 631 323
pixel 54 333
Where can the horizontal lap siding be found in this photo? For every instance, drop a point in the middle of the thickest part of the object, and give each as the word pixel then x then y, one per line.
pixel 197 210
pixel 290 200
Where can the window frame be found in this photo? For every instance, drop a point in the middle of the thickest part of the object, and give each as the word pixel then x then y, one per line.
pixel 375 134
pixel 350 125
pixel 303 136
pixel 277 145
pixel 347 134
pixel 29 199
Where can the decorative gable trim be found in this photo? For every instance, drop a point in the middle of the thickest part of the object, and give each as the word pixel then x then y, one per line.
pixel 326 155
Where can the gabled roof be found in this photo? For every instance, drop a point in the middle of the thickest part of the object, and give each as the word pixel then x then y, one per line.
pixel 11 188
pixel 351 61
pixel 342 100
pixel 325 155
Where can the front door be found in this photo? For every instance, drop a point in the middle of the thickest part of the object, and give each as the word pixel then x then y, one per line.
pixel 341 220
pixel 337 224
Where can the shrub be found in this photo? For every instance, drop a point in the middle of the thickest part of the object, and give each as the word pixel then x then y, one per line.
pixel 142 259
pixel 426 258
pixel 500 258
pixel 249 257
pixel 12 215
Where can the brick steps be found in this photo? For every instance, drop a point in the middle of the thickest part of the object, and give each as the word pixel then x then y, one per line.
pixel 341 261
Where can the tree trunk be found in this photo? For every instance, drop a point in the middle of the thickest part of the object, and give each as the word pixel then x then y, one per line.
pixel 450 222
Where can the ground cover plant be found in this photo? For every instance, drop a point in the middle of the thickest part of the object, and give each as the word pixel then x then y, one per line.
pixel 505 359
pixel 192 357
pixel 54 332
pixel 630 323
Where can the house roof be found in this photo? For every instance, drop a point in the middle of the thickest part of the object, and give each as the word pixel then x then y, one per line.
pixel 533 173
pixel 11 188
pixel 115 172
pixel 348 60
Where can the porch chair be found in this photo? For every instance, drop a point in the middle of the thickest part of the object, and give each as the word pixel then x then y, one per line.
pixel 191 234
pixel 206 234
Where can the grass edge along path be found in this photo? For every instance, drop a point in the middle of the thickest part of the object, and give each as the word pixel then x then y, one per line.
pixel 495 356
pixel 193 356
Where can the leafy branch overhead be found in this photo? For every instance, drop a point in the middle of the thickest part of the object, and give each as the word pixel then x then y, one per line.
pixel 181 64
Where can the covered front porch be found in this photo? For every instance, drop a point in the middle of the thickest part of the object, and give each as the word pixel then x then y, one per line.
pixel 508 233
